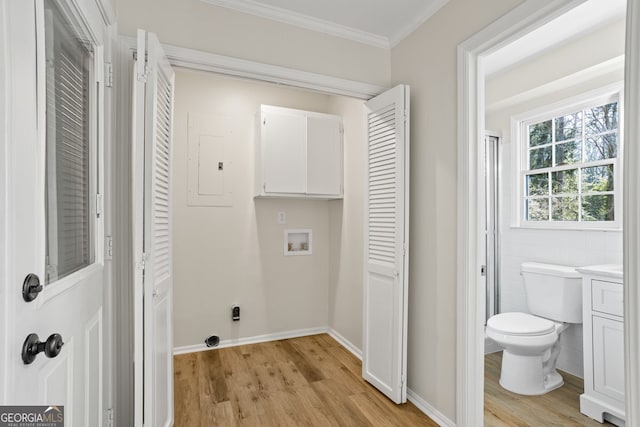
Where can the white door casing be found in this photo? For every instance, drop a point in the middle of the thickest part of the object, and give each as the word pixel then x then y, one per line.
pixel 73 305
pixel 384 358
pixel 153 295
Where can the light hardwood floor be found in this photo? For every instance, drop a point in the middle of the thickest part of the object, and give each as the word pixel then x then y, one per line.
pixel 560 407
pixel 309 381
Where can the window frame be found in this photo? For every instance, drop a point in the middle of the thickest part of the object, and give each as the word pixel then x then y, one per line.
pixel 520 152
pixel 95 42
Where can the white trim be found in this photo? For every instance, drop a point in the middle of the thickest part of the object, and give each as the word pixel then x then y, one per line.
pixel 470 302
pixel 303 21
pixel 582 76
pixel 234 342
pixel 632 213
pixel 429 410
pixel 107 12
pixel 227 65
pixel 430 9
pixel 353 349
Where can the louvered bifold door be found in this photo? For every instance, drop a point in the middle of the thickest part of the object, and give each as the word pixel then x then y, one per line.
pixel 158 279
pixel 386 240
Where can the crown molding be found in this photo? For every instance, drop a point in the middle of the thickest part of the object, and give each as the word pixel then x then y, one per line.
pixel 427 12
pixel 205 61
pixel 303 21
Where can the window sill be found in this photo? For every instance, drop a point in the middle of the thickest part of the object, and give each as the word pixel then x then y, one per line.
pixel 563 227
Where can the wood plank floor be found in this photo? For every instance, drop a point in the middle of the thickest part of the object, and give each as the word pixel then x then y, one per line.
pixel 560 407
pixel 309 381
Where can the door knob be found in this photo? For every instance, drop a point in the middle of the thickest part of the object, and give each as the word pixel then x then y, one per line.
pixel 31 287
pixel 32 347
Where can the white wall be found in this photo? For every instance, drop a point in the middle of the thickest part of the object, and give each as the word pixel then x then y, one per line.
pixel 198 25
pixel 575 248
pixel 234 255
pixel 427 61
pixel 346 218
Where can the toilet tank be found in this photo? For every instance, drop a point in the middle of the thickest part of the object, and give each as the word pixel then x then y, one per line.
pixel 553 291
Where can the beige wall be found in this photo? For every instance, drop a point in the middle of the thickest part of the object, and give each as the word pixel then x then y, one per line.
pixel 234 255
pixel 574 248
pixel 427 61
pixel 198 25
pixel 346 218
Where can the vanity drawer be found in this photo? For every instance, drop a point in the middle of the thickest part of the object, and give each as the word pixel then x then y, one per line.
pixel 606 297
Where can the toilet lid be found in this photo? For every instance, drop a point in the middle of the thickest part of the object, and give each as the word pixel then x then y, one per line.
pixel 520 324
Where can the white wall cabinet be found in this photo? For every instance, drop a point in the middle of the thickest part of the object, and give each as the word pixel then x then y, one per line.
pixel 298 154
pixel 603 323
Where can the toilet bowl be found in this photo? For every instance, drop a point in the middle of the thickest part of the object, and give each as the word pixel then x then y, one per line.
pixel 530 350
pixel 531 341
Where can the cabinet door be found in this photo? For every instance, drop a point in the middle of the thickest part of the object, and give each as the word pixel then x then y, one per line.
pixel 608 357
pixel 284 153
pixel 324 156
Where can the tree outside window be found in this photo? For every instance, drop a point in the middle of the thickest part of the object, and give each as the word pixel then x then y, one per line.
pixel 571 162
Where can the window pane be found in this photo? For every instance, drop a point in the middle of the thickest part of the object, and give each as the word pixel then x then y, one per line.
pixel 569 126
pixel 601 119
pixel 564 208
pixel 598 208
pixel 601 147
pixel 537 209
pixel 538 184
pixel 540 133
pixel 597 178
pixel 568 152
pixel 540 158
pixel 69 245
pixel 564 181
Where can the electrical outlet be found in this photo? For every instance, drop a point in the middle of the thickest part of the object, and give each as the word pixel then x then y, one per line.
pixel 282 218
pixel 235 313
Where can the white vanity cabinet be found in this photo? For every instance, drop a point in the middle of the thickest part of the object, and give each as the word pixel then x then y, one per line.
pixel 298 154
pixel 603 336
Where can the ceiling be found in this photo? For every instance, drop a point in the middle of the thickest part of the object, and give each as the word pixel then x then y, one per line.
pixel 380 23
pixel 575 23
pixel 384 23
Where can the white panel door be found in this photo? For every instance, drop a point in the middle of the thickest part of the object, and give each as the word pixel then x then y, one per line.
pixel 52 226
pixel 153 299
pixel 284 152
pixel 608 357
pixel 324 155
pixel 384 359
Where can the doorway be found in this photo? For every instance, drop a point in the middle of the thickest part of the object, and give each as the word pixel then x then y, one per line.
pixel 471 302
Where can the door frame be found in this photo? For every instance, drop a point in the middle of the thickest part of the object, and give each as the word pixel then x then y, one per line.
pixel 471 110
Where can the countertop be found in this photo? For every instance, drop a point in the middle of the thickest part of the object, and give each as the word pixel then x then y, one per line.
pixel 607 270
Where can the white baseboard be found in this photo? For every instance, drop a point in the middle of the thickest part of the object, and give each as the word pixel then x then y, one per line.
pixel 345 343
pixel 250 340
pixel 429 410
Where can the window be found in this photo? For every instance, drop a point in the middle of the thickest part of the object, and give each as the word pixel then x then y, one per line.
pixel 70 183
pixel 569 173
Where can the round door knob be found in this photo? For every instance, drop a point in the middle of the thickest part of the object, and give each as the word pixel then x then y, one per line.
pixel 32 347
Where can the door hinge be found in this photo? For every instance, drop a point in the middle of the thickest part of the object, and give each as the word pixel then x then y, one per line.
pixel 108 74
pixel 483 270
pixel 108 243
pixel 143 261
pixel 142 77
pixel 108 417
pixel 404 248
pixel 99 204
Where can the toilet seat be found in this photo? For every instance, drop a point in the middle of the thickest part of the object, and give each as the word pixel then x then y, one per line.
pixel 520 324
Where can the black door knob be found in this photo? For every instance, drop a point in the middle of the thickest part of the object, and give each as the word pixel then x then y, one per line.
pixel 31 287
pixel 32 347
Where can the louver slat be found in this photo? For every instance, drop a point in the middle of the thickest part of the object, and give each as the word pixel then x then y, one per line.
pixel 161 240
pixel 382 186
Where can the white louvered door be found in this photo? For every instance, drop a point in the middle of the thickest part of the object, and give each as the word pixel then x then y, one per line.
pixel 153 153
pixel 386 243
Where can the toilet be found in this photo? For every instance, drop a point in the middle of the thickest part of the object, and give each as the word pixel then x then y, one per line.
pixel 531 341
